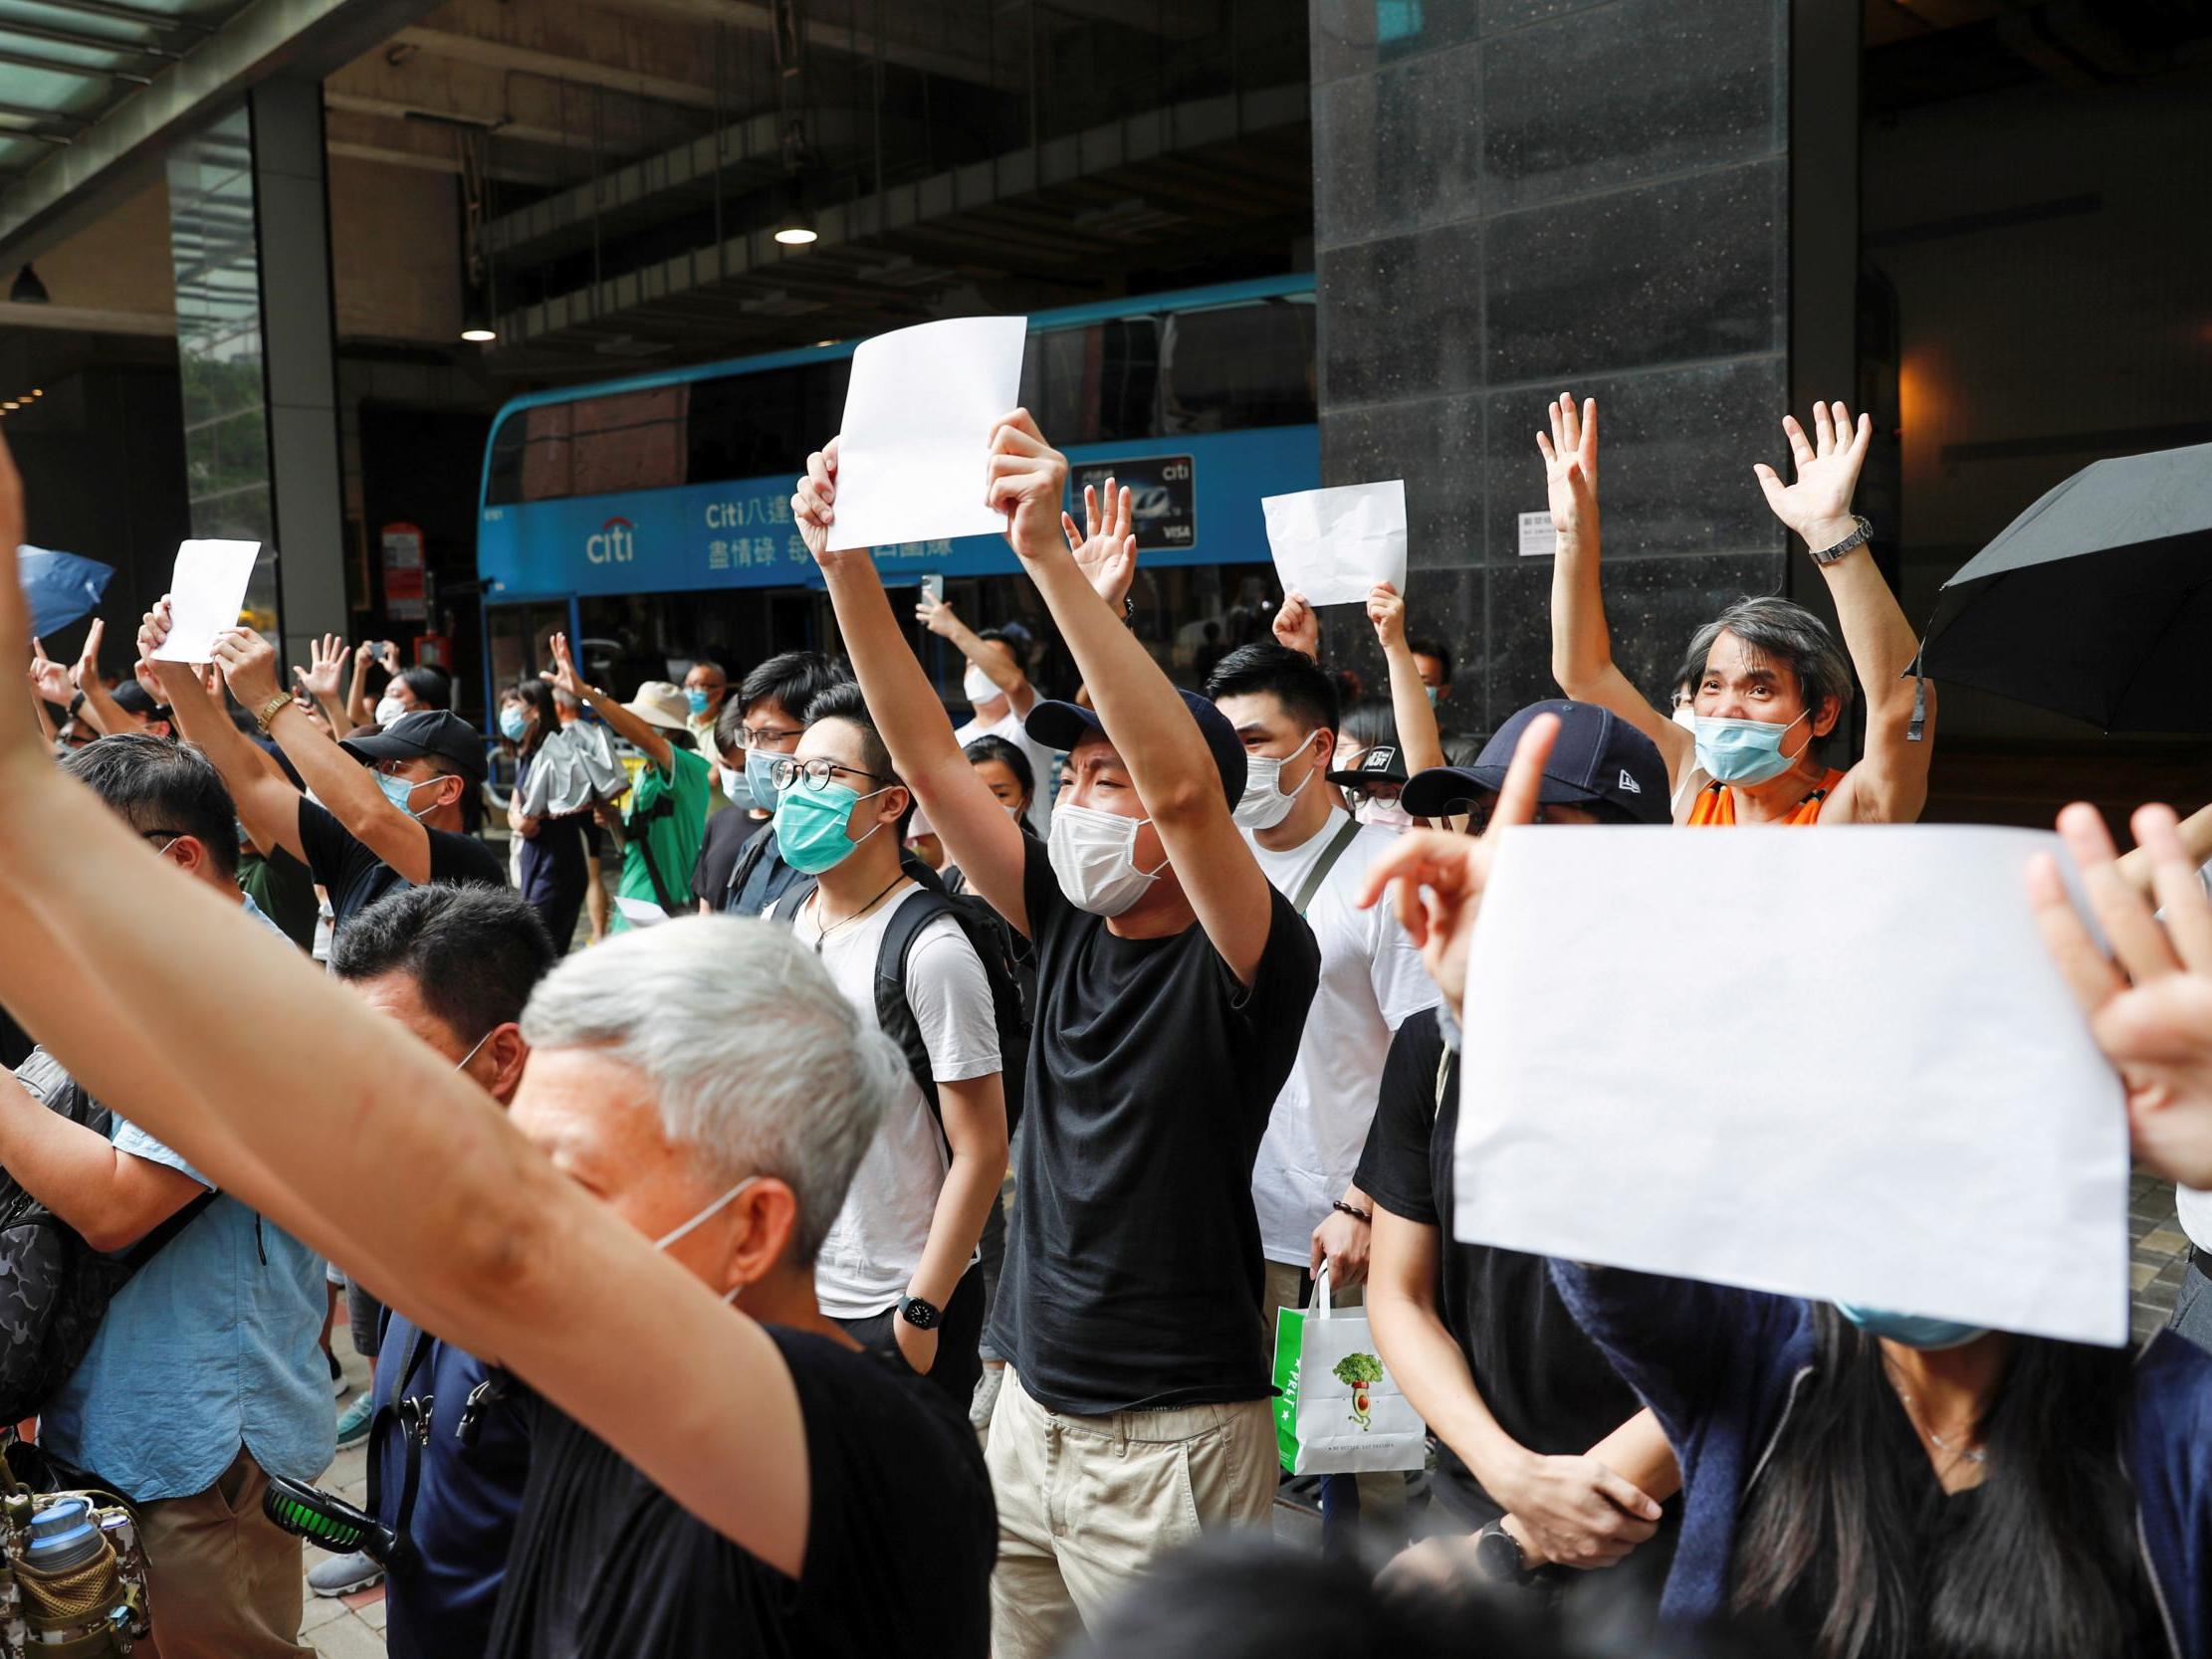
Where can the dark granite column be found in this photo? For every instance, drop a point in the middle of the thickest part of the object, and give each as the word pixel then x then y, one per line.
pixel 1515 198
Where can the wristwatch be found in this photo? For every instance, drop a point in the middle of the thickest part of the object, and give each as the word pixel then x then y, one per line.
pixel 923 1316
pixel 1498 1558
pixel 269 711
pixel 1857 538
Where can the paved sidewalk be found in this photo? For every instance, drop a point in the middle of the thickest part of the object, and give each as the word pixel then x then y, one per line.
pixel 351 1628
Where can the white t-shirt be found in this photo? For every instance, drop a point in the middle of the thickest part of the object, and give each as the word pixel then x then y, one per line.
pixel 2194 1207
pixel 1372 980
pixel 1041 763
pixel 878 1238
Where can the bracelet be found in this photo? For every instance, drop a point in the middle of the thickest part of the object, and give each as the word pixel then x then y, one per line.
pixel 1360 1215
pixel 76 703
pixel 269 711
pixel 1857 538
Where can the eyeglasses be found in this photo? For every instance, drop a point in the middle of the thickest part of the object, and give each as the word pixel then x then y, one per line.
pixel 817 774
pixel 763 736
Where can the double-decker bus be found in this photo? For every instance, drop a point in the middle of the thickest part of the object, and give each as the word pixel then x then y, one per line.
pixel 650 517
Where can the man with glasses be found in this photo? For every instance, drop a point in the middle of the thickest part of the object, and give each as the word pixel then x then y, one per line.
pixel 204 1377
pixel 897 1269
pixel 390 804
pixel 739 868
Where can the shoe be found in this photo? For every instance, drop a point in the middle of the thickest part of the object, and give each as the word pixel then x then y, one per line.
pixel 339 1385
pixel 352 1422
pixel 343 1574
pixel 987 1397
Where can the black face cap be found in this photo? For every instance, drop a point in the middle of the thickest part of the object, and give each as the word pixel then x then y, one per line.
pixel 1062 726
pixel 427 734
pixel 1380 764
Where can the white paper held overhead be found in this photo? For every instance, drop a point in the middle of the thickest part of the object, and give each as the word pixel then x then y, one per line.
pixel 1333 545
pixel 916 437
pixel 1836 1066
pixel 206 593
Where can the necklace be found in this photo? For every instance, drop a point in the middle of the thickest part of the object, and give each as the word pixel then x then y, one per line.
pixel 1973 1454
pixel 847 921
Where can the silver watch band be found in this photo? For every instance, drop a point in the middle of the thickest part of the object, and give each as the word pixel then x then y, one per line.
pixel 1857 538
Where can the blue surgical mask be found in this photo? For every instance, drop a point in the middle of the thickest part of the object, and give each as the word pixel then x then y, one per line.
pixel 1743 751
pixel 513 722
pixel 760 768
pixel 1432 690
pixel 810 825
pixel 736 785
pixel 697 698
pixel 1912 1330
pixel 400 792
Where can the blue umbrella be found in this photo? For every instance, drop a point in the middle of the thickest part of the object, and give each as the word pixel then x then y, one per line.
pixel 60 587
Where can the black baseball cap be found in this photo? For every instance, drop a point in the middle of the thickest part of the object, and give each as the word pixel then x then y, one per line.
pixel 1062 726
pixel 1380 764
pixel 434 733
pixel 1598 759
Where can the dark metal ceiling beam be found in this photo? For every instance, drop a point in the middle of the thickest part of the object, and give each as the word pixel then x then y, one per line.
pixel 113 11
pixel 60 65
pixel 57 35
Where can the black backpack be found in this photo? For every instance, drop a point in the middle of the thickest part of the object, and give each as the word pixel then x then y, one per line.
pixel 53 1286
pixel 995 944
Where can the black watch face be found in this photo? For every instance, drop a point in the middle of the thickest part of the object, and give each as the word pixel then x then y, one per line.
pixel 919 1313
pixel 1498 1556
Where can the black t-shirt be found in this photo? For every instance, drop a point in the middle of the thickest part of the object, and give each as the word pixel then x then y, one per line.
pixel 356 878
pixel 900 1538
pixel 1132 1272
pixel 1545 1383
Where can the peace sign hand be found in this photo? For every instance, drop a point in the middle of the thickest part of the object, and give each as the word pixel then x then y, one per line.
pixel 1439 876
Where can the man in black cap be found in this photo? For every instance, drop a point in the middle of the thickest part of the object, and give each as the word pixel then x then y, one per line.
pixel 1545 1460
pixel 1173 983
pixel 389 811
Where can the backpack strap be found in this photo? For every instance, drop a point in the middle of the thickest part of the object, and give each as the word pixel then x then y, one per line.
pixel 1343 838
pixel 413 1421
pixel 749 860
pixel 160 1238
pixel 1444 1073
pixel 894 1013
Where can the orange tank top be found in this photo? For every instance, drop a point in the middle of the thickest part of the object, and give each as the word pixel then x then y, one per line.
pixel 1716 804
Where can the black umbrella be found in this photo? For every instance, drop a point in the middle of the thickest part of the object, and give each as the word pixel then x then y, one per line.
pixel 2096 601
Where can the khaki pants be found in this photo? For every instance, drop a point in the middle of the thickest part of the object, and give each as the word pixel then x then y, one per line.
pixel 225 1584
pixel 1381 1495
pixel 1085 1503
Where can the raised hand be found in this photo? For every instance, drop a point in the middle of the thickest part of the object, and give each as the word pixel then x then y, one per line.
pixel 88 660
pixel 1571 465
pixel 1298 625
pixel 1106 551
pixel 1439 876
pixel 48 678
pixel 1387 611
pixel 2149 1001
pixel 812 503
pixel 248 664
pixel 937 615
pixel 327 663
pixel 1026 479
pixel 389 656
pixel 562 676
pixel 1818 505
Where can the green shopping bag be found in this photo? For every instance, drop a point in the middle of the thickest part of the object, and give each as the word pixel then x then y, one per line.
pixel 1291 1334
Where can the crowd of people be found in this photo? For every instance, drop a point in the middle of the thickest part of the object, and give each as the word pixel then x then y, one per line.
pixel 856 1222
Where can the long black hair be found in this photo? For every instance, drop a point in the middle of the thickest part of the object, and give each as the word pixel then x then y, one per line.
pixel 2042 1562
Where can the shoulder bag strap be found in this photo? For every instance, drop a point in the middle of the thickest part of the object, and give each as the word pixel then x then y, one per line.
pixel 1324 864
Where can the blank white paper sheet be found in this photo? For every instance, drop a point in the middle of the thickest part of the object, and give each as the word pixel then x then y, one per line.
pixel 206 592
pixel 1833 1064
pixel 919 412
pixel 1333 545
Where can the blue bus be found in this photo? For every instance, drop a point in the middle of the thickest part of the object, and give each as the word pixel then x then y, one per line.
pixel 650 517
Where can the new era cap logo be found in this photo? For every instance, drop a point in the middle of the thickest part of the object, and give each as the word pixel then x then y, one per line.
pixel 1629 784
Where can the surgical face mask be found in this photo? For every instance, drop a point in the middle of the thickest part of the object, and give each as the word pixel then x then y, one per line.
pixel 1265 804
pixel 810 825
pixel 474 1052
pixel 389 708
pixel 695 699
pixel 513 722
pixel 1686 715
pixel 736 785
pixel 1432 690
pixel 1014 810
pixel 708 1213
pixel 400 792
pixel 1093 854
pixel 978 686
pixel 759 765
pixel 1912 1330
pixel 1388 814
pixel 1742 752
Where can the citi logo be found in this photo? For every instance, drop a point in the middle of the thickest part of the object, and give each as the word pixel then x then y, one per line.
pixel 615 542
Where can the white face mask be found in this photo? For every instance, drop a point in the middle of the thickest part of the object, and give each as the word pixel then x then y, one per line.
pixel 1388 814
pixel 712 1210
pixel 1264 805
pixel 1686 715
pixel 978 686
pixel 389 708
pixel 1093 854
pixel 1014 810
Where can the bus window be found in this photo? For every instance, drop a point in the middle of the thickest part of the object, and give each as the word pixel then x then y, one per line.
pixel 763 425
pixel 592 447
pixel 1237 366
pixel 1099 383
